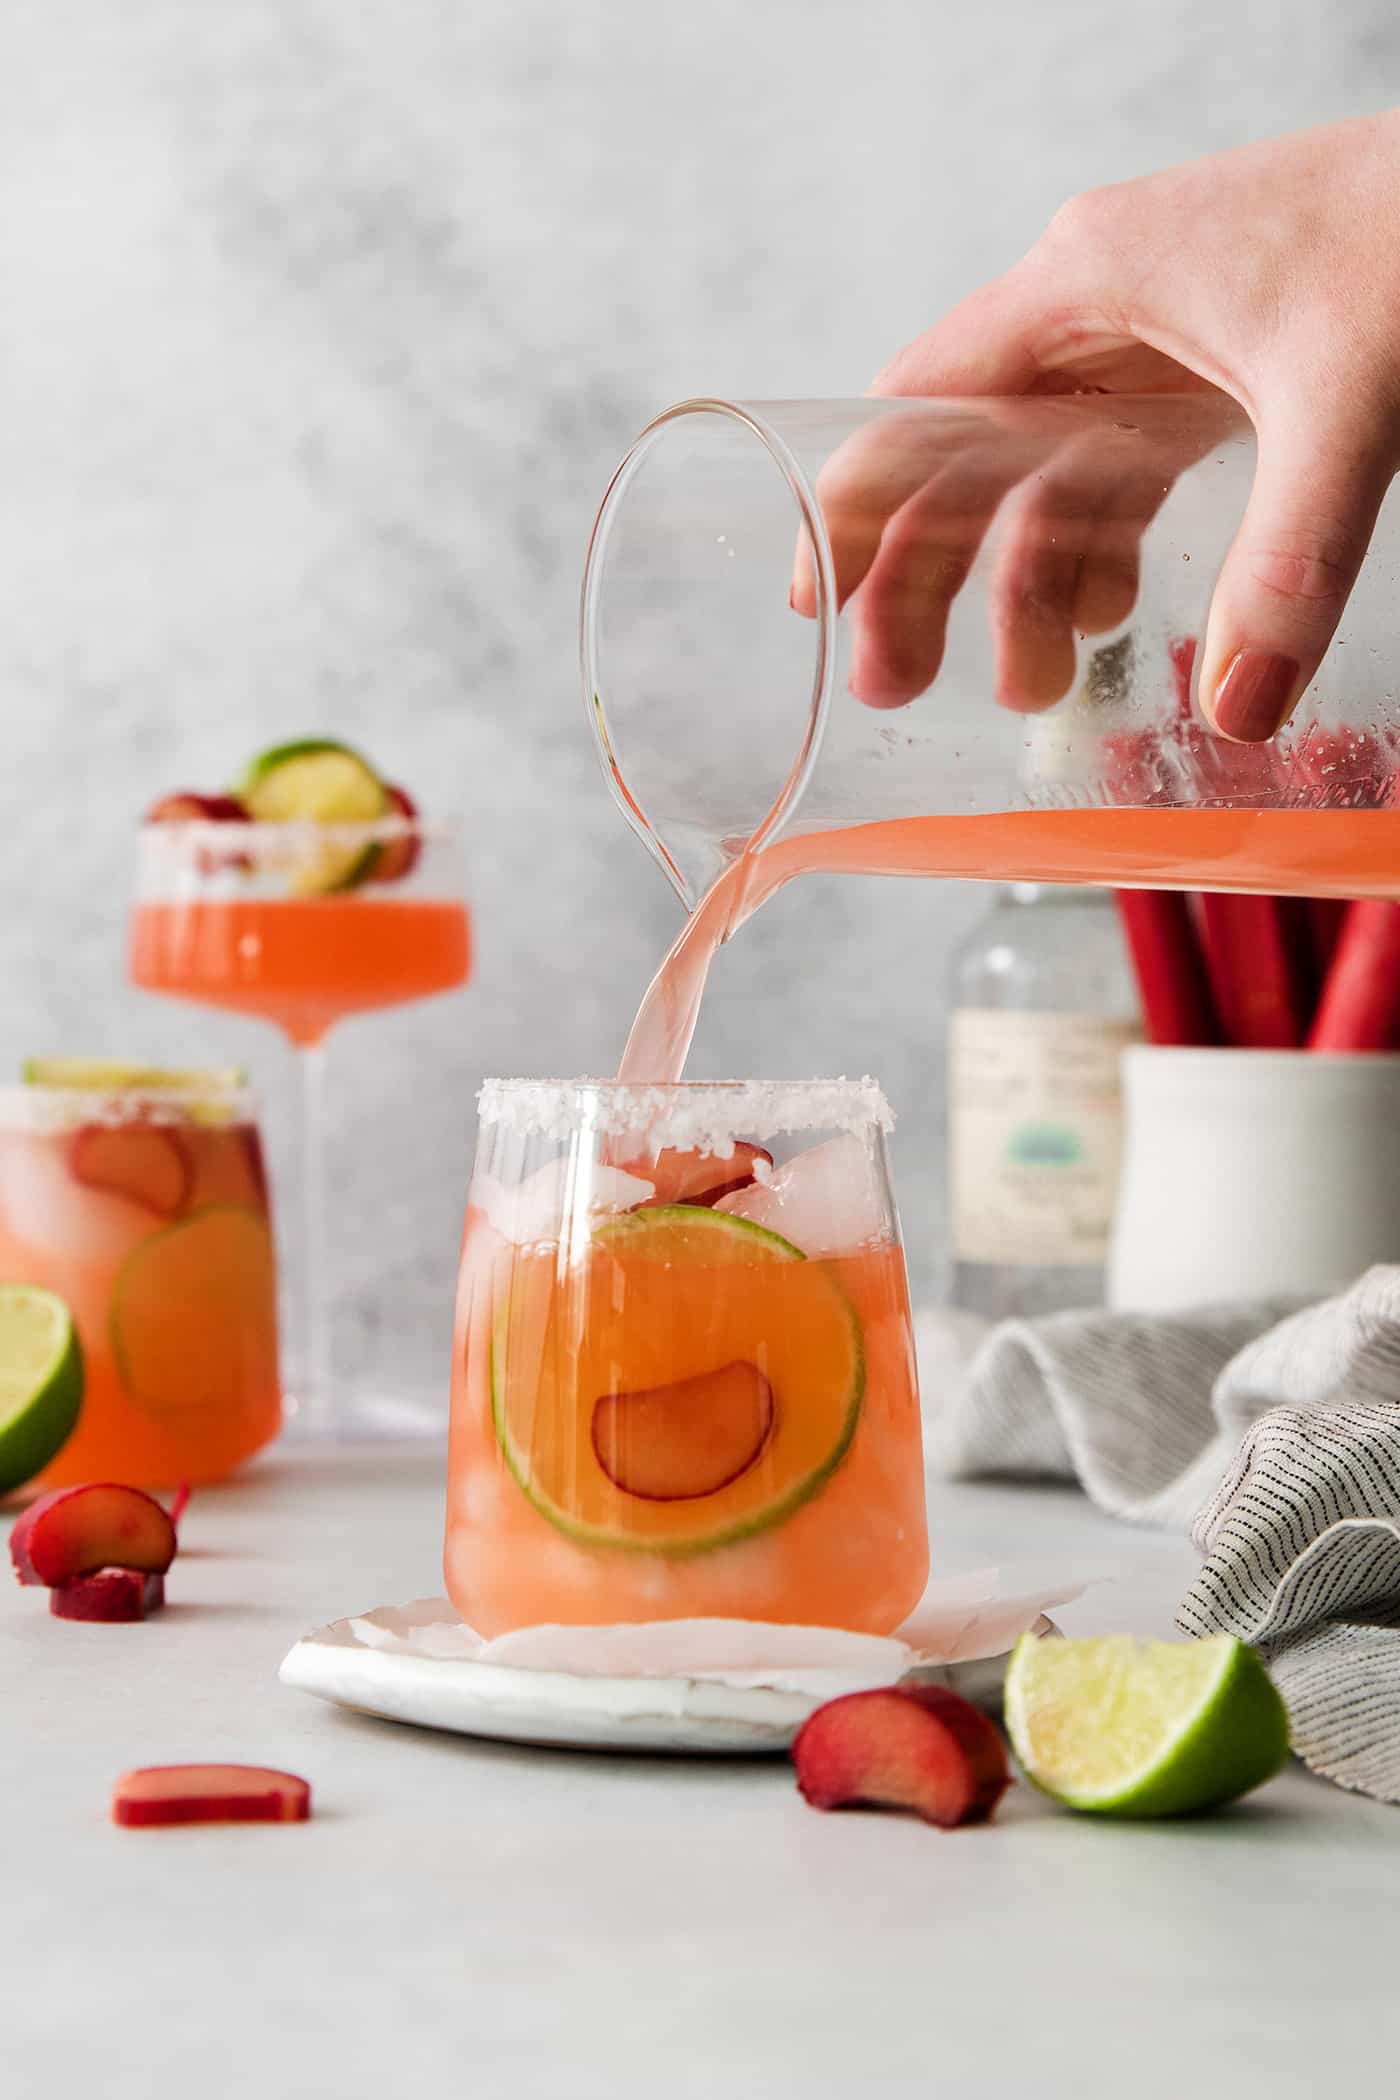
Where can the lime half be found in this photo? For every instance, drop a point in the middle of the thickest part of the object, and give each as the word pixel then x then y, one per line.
pixel 41 1380
pixel 319 781
pixel 1118 1727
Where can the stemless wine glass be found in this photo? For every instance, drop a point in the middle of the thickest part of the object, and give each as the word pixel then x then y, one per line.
pixel 304 924
pixel 683 1378
pixel 146 1210
pixel 1033 577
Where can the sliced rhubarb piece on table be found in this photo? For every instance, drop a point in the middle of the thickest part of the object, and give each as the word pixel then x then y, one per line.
pixel 147 1163
pixel 700 1178
pixel 913 1747
pixel 76 1531
pixel 165 1794
pixel 670 1443
pixel 114 1596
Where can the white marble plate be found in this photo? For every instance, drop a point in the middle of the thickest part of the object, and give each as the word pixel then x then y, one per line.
pixel 419 1663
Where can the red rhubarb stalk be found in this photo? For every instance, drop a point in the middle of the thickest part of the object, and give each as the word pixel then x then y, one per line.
pixel 1360 1006
pixel 1176 999
pixel 1258 959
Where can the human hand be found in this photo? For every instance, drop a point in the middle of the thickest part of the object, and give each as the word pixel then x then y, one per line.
pixel 1265 280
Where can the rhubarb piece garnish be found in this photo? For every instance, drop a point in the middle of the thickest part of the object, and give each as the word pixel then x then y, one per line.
pixel 145 1162
pixel 187 807
pixel 114 1596
pixel 76 1531
pixel 913 1747
pixel 669 1443
pixel 163 1794
pixel 399 856
pixel 698 1177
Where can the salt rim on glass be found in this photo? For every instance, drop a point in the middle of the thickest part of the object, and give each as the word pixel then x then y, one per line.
pixel 691 1115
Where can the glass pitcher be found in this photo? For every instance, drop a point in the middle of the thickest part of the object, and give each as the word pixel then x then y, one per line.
pixel 751 564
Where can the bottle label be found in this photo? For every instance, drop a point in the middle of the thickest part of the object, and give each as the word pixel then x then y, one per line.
pixel 1035 1135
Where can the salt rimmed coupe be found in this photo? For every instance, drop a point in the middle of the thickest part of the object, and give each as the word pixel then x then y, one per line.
pixel 683 1375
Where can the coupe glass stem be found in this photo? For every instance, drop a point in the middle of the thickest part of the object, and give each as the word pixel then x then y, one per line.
pixel 316 1413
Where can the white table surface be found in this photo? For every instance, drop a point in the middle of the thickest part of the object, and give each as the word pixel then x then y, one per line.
pixel 463 1919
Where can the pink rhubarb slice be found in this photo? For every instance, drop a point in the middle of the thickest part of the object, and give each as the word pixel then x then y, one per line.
pixel 115 1596
pixel 671 1443
pixel 75 1531
pixel 698 1178
pixel 147 1164
pixel 164 1794
pixel 913 1747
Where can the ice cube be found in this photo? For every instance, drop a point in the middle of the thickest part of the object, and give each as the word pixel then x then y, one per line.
pixel 535 1209
pixel 828 1200
pixel 45 1206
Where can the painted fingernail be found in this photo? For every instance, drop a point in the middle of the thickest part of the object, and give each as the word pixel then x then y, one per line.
pixel 1253 698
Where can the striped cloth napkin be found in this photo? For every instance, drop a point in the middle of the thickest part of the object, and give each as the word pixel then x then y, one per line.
pixel 1271 1432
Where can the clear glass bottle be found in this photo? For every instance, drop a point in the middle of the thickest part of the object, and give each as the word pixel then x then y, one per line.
pixel 1043 1004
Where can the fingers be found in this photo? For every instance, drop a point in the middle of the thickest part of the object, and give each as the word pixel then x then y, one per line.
pixel 1068 561
pixel 863 484
pixel 899 617
pixel 1290 571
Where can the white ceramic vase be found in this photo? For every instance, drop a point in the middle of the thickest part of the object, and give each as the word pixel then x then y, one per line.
pixel 1253 1172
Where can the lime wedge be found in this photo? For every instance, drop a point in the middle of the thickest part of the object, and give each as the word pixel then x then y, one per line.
pixel 1119 1727
pixel 318 781
pixel 92 1076
pixel 41 1380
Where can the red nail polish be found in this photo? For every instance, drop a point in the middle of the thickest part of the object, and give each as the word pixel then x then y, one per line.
pixel 1253 699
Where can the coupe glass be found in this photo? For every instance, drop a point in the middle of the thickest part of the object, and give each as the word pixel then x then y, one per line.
pixel 1034 576
pixel 683 1375
pixel 147 1212
pixel 304 925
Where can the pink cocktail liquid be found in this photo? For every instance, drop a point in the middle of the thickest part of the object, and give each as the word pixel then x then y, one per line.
pixel 1302 852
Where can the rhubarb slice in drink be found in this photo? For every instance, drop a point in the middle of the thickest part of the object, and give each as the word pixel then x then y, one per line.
pixel 691 1381
pixel 193 1315
pixel 148 1164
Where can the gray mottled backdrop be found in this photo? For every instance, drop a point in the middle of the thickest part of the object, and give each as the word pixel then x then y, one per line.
pixel 321 325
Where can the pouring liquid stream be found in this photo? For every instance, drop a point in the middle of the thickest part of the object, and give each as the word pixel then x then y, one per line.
pixel 1301 852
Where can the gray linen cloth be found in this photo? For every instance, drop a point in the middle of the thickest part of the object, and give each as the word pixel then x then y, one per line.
pixel 1272 1433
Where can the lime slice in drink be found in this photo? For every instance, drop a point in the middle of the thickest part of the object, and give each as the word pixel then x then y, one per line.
pixel 41 1380
pixel 696 1380
pixel 318 781
pixel 193 1320
pixel 91 1075
pixel 1119 1727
